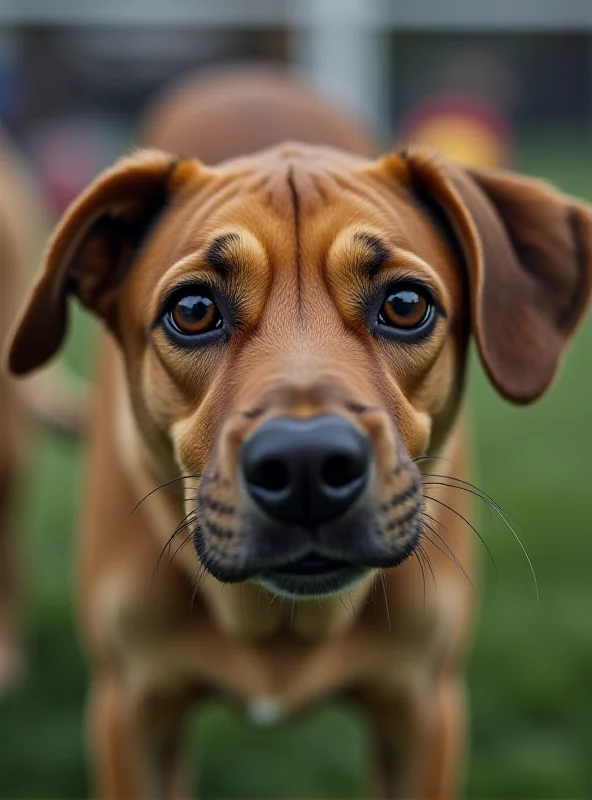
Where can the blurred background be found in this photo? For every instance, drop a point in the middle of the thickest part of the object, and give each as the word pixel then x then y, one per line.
pixel 73 79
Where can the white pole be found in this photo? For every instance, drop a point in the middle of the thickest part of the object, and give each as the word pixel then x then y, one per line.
pixel 341 47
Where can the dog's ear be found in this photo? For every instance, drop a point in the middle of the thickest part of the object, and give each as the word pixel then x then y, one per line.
pixel 528 252
pixel 91 250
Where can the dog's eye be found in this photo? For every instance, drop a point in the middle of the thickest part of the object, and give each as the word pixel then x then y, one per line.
pixel 194 313
pixel 406 307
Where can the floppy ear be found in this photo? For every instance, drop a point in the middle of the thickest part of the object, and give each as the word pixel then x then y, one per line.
pixel 92 249
pixel 528 252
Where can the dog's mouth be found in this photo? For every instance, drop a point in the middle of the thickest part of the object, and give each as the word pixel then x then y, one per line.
pixel 312 576
pixel 312 565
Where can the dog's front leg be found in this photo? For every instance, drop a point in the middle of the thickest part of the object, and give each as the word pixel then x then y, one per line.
pixel 417 741
pixel 10 653
pixel 136 742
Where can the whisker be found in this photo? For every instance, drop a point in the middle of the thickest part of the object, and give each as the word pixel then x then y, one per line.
pixel 183 543
pixel 441 538
pixel 416 554
pixel 343 604
pixel 452 557
pixel 427 561
pixel 534 577
pixel 439 522
pixel 383 581
pixel 419 459
pixel 182 524
pixel 181 477
pixel 474 490
pixel 200 577
pixel 351 603
pixel 273 597
pixel 458 514
pixel 481 539
pixel 451 552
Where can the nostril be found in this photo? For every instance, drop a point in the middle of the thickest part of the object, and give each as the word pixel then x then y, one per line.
pixel 270 474
pixel 305 471
pixel 339 471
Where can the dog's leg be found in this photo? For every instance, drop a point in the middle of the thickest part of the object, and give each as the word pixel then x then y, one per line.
pixel 10 649
pixel 136 745
pixel 416 745
pixel 442 776
pixel 113 747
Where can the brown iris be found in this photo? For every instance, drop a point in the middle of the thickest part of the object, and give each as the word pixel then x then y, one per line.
pixel 406 307
pixel 195 313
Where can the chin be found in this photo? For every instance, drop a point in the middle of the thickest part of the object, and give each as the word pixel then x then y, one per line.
pixel 313 578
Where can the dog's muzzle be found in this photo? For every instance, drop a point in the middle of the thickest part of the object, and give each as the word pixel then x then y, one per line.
pixel 311 518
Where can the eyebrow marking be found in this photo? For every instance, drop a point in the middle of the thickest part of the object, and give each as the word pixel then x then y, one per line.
pixel 379 253
pixel 216 254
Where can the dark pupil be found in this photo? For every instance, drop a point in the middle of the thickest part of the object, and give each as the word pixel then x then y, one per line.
pixel 193 309
pixel 404 303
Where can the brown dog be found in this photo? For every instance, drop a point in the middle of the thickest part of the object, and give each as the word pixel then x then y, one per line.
pixel 52 396
pixel 288 344
pixel 16 228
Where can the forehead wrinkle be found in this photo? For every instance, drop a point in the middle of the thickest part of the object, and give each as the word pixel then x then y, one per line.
pixel 278 194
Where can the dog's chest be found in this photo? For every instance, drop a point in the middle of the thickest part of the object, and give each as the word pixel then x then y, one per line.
pixel 279 678
pixel 272 681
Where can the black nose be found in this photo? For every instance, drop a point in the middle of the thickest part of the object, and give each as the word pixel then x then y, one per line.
pixel 306 471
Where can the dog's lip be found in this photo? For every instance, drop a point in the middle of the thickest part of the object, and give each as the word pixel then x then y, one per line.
pixel 312 576
pixel 312 565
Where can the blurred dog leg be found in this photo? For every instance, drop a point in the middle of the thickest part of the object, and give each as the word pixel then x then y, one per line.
pixel 12 420
pixel 11 431
pixel 57 398
pixel 50 396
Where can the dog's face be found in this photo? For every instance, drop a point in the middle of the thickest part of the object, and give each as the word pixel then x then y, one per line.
pixel 304 341
pixel 294 327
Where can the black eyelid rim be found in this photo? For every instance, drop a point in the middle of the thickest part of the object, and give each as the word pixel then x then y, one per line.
pixel 407 281
pixel 397 285
pixel 402 335
pixel 181 289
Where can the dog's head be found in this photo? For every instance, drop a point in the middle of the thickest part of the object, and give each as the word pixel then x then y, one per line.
pixel 294 327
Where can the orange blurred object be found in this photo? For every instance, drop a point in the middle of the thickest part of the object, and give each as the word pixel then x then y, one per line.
pixel 463 127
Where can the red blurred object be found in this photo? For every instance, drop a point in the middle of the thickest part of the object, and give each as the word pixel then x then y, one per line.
pixel 69 153
pixel 464 127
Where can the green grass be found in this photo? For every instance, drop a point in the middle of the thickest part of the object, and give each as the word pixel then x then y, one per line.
pixel 530 672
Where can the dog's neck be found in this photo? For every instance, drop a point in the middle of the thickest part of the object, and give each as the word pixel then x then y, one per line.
pixel 248 610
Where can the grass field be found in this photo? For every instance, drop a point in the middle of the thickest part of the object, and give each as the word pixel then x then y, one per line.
pixel 530 675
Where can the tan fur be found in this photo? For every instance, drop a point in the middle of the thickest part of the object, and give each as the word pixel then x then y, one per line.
pixel 297 266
